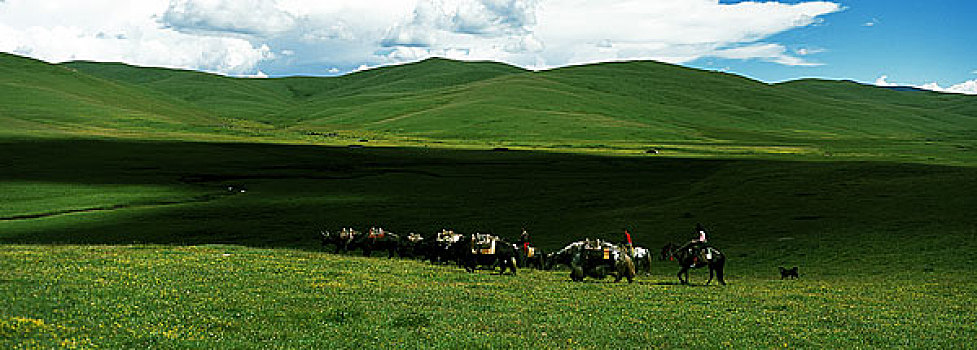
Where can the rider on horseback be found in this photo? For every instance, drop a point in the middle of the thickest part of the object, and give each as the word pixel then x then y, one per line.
pixel 698 245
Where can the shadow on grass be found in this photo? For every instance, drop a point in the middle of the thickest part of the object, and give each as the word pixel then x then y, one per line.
pixel 294 191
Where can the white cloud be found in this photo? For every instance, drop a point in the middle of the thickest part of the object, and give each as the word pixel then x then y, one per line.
pixel 249 17
pixel 105 30
pixel 968 87
pixel 237 36
pixel 872 23
pixel 883 81
pixel 804 51
pixel 768 52
pixel 258 75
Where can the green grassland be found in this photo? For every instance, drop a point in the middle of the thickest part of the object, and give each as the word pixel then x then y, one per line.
pixel 118 230
pixel 230 296
pixel 884 248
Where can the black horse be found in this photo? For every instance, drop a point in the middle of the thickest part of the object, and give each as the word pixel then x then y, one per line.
pixel 489 251
pixel 343 241
pixel 378 239
pixel 412 245
pixel 696 256
pixel 445 247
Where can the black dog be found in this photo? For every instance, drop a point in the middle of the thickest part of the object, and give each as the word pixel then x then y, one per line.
pixel 788 273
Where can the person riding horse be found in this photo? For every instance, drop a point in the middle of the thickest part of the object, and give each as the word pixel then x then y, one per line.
pixel 698 244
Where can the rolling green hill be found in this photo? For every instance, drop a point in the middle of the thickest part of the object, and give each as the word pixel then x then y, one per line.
pixel 627 105
pixel 39 99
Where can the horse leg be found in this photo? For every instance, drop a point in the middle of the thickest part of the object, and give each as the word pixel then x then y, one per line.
pixel 719 272
pixel 710 274
pixel 685 270
pixel 512 265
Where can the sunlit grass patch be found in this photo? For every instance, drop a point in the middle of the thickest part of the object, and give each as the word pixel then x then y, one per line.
pixel 216 295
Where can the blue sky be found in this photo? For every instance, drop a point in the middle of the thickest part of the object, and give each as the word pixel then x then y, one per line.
pixel 912 42
pixel 918 43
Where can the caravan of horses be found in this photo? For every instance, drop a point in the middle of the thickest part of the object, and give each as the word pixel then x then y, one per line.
pixel 588 258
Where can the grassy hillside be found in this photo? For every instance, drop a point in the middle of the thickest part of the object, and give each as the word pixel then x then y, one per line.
pixel 43 99
pixel 628 106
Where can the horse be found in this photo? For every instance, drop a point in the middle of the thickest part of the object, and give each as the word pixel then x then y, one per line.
pixel 690 256
pixel 447 246
pixel 642 260
pixel 598 259
pixel 487 250
pixel 562 257
pixel 379 239
pixel 530 256
pixel 343 241
pixel 412 246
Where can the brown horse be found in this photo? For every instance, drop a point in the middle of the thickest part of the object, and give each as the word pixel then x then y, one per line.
pixel 695 256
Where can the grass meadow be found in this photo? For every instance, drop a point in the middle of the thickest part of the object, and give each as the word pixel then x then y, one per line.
pixel 216 296
pixel 139 244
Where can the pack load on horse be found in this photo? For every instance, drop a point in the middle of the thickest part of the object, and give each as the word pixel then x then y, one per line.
pixel 491 251
pixel 598 259
pixel 343 241
pixel 699 253
pixel 562 256
pixel 379 239
pixel 484 244
pixel 445 247
pixel 412 245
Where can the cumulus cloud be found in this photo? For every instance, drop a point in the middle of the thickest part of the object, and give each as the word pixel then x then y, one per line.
pixel 883 81
pixel 240 36
pixel 253 17
pixel 968 87
pixel 103 30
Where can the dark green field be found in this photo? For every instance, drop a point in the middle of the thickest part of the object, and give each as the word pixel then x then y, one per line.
pixel 118 229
